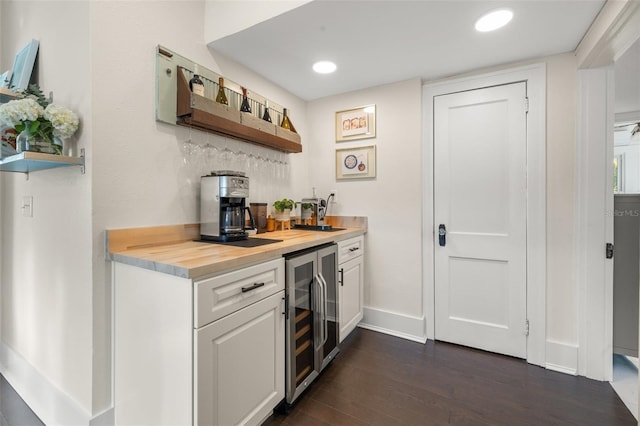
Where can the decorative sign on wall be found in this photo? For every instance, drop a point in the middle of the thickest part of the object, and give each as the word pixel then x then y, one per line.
pixel 356 123
pixel 356 163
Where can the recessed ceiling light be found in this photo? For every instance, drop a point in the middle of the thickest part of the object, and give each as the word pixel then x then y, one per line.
pixel 324 67
pixel 494 20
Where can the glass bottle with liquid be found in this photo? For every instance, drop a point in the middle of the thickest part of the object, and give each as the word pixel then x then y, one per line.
pixel 286 122
pixel 195 84
pixel 245 107
pixel 221 98
pixel 266 116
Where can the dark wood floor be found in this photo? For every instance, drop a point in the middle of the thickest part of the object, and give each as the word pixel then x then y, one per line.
pixel 383 380
pixel 13 410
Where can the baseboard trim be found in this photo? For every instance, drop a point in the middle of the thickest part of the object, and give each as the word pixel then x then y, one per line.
pixel 106 418
pixel 49 403
pixel 562 357
pixel 394 324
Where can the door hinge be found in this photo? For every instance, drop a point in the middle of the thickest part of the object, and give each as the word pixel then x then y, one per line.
pixel 526 327
pixel 526 105
pixel 609 252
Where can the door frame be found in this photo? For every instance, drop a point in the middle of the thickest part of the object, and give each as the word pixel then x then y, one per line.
pixel 615 29
pixel 535 77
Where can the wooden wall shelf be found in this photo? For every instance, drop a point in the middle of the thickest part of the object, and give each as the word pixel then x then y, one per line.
pixel 27 162
pixel 207 115
pixel 7 95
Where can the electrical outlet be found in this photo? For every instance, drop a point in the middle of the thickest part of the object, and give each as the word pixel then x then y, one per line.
pixel 334 199
pixel 27 206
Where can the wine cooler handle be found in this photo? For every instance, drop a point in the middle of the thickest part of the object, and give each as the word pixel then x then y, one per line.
pixel 325 328
pixel 316 294
pixel 341 277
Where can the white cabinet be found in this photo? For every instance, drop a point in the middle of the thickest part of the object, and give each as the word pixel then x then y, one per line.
pixel 351 289
pixel 209 352
pixel 239 365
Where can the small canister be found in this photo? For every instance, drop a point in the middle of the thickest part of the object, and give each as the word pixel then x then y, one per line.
pixel 271 224
pixel 259 212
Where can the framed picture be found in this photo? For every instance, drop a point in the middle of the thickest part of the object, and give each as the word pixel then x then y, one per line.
pixel 356 123
pixel 23 66
pixel 5 79
pixel 356 163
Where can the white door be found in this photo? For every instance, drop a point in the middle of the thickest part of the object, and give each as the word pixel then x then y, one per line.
pixel 480 198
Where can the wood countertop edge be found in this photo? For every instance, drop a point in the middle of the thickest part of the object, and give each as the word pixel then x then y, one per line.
pixel 140 257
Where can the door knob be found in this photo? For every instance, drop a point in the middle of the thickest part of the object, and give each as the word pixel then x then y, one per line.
pixel 442 235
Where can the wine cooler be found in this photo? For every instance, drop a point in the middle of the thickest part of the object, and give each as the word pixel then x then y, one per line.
pixel 312 316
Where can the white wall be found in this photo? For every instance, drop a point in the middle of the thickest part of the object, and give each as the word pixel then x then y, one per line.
pixel 224 17
pixel 99 58
pixel 562 297
pixel 56 312
pixel 393 271
pixel 392 201
pixel 561 118
pixel 46 262
pixel 141 173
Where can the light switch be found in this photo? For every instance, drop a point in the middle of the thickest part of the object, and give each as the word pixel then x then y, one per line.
pixel 27 206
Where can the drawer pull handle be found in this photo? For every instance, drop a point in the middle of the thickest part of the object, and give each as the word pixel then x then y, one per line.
pixel 252 287
pixel 354 249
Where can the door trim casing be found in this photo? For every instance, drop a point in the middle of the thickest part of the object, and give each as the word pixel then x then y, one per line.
pixel 535 77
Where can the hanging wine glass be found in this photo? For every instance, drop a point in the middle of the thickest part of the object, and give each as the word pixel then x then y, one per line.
pixel 226 154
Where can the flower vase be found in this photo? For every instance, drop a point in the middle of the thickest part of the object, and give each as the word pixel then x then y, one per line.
pixel 33 142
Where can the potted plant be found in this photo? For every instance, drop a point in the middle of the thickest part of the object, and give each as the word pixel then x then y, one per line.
pixel 283 209
pixel 307 211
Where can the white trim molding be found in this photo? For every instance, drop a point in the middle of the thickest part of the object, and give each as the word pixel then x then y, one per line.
pixel 535 77
pixel 49 403
pixel 613 31
pixel 594 221
pixel 562 357
pixel 394 324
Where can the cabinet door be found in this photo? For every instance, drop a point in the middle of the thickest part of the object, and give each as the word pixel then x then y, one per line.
pixel 351 275
pixel 239 365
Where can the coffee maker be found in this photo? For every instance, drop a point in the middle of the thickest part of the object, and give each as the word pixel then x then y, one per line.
pixel 223 206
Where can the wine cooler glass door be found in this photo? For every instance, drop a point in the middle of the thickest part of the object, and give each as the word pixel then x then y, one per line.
pixel 328 274
pixel 301 324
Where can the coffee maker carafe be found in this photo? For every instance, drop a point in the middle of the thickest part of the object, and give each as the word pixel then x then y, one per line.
pixel 223 209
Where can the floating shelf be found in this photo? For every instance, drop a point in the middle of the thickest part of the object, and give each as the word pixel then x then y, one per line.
pixel 7 95
pixel 208 115
pixel 27 162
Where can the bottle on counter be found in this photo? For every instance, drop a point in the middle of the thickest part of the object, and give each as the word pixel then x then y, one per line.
pixel 286 122
pixel 266 116
pixel 245 107
pixel 195 84
pixel 221 98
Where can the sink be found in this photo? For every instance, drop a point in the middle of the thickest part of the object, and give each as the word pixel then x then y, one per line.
pixel 324 228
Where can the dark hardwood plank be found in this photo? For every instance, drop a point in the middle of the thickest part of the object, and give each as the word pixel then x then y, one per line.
pixel 383 380
pixel 13 410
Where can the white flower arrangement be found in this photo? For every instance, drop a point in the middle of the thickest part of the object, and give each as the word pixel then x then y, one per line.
pixel 65 122
pixel 18 111
pixel 35 115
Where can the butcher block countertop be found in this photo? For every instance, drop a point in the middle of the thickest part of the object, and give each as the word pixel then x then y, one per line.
pixel 173 249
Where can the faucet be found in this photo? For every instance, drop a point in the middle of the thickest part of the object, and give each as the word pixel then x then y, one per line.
pixel 319 207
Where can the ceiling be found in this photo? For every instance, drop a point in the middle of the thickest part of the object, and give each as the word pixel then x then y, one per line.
pixel 380 42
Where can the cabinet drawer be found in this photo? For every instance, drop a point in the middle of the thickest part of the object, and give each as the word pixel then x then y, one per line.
pixel 350 249
pixel 219 296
